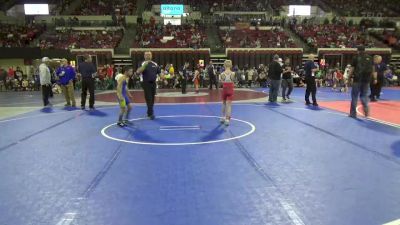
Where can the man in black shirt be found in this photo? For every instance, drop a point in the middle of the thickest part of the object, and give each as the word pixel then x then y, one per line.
pixel 287 80
pixel 310 69
pixel 361 71
pixel 149 71
pixel 87 71
pixel 212 76
pixel 274 73
pixel 185 76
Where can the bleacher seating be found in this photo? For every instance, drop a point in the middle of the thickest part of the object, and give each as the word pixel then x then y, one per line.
pixel 333 36
pixel 104 7
pixel 72 39
pixel 256 39
pixel 19 35
pixel 184 36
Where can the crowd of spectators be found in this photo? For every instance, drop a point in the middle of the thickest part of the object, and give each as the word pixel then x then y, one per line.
pixel 60 6
pixel 154 35
pixel 246 38
pixel 12 35
pixel 74 39
pixel 336 35
pixel 105 7
pixel 389 37
pixel 253 20
pixel 14 79
pixel 371 8
pixel 74 21
pixel 240 5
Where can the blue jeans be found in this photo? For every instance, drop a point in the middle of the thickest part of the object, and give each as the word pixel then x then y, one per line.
pixel 359 89
pixel 273 90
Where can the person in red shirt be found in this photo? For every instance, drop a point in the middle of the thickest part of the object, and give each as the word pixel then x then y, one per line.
pixel 110 71
pixel 338 79
pixel 10 72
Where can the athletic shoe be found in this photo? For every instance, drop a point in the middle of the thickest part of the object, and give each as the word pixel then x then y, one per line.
pixel 83 107
pixel 91 108
pixel 127 122
pixel 308 103
pixel 353 116
pixel 366 114
pixel 121 124
pixel 288 97
pixel 315 104
pixel 222 120
pixel 152 117
pixel 226 122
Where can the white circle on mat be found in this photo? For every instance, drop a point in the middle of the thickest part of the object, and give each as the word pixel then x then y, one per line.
pixel 251 130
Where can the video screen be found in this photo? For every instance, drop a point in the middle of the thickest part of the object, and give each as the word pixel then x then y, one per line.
pixel 36 9
pixel 170 9
pixel 299 10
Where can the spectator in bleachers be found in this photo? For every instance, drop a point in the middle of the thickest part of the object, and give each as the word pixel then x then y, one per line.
pixel 332 35
pixel 104 7
pixel 3 79
pixel 71 39
pixel 247 38
pixel 168 36
pixel 12 35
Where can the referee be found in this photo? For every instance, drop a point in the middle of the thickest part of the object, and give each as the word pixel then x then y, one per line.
pixel 149 71
pixel 88 71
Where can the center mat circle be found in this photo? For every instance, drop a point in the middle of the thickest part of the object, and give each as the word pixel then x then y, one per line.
pixel 177 130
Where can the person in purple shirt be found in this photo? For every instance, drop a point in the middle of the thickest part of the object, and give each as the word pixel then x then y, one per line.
pixel 66 75
pixel 381 70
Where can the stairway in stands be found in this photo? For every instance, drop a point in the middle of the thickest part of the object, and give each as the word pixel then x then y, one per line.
pixel 214 42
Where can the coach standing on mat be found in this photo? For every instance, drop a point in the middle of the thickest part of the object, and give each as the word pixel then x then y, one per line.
pixel 45 80
pixel 66 74
pixel 88 71
pixel 274 73
pixel 185 76
pixel 149 71
pixel 362 69
pixel 310 69
pixel 212 76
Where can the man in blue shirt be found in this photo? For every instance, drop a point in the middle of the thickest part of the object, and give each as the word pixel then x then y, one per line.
pixel 310 69
pixel 88 72
pixel 149 71
pixel 66 75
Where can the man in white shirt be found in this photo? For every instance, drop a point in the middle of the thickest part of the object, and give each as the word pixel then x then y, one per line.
pixel 45 80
